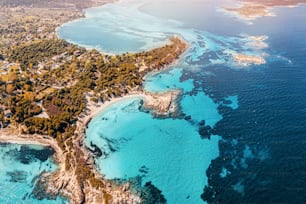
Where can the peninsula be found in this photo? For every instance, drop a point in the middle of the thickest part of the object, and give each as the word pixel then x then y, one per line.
pixel 51 89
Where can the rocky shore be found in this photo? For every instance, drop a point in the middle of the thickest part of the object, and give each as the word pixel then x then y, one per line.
pixel 76 177
pixel 65 183
pixel 246 60
pixel 163 105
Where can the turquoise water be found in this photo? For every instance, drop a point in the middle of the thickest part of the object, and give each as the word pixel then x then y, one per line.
pixel 123 27
pixel 20 167
pixel 254 116
pixel 201 107
pixel 168 80
pixel 108 24
pixel 251 114
pixel 170 151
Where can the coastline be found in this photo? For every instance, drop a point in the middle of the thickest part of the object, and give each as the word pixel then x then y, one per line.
pixel 15 137
pixel 144 48
pixel 222 106
pixel 96 109
pixel 65 182
pixel 149 98
pixel 175 62
pixel 10 139
pixel 83 16
pixel 72 156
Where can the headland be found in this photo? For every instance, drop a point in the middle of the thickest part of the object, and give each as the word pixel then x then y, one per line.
pixel 44 75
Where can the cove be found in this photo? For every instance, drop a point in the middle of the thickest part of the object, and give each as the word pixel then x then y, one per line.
pixel 168 152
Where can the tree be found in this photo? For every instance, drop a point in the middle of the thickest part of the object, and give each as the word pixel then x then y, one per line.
pixel 10 88
pixel 28 95
pixel 12 76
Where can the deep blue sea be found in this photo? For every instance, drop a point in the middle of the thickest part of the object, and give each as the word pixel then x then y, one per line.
pixel 245 135
pixel 244 141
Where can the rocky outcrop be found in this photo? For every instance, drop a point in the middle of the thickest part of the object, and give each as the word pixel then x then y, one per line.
pixel 245 60
pixel 77 177
pixel 163 105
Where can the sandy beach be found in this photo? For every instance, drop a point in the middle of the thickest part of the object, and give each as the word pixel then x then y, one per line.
pixel 14 137
pixel 159 102
pixel 96 108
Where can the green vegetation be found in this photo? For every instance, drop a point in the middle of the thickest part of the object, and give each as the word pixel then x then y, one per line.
pixel 46 83
pixel 29 55
pixel 49 82
pixel 100 76
pixel 94 76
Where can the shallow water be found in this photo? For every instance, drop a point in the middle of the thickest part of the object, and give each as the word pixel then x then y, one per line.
pixel 258 112
pixel 20 167
pixel 173 158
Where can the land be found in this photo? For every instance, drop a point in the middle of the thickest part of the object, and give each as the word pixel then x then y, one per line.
pixel 163 104
pixel 246 60
pixel 51 89
pixel 55 4
pixel 251 10
pixel 258 44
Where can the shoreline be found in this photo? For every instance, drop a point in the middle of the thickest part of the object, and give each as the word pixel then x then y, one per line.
pixel 147 97
pixel 105 52
pixel 64 182
pixel 77 177
pixel 83 16
pixel 100 107
pixel 5 139
pixel 172 64
pixel 11 136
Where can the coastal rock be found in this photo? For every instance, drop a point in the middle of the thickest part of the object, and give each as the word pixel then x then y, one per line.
pixel 245 60
pixel 77 177
pixel 162 105
pixel 40 190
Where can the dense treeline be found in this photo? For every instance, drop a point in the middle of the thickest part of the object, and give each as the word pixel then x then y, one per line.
pixel 119 75
pixel 89 75
pixel 29 55
pixel 104 76
pixel 63 107
pixel 23 109
pixel 49 94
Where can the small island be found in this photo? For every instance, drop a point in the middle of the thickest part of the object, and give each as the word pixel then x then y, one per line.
pixel 51 89
pixel 258 58
pixel 246 60
pixel 250 10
